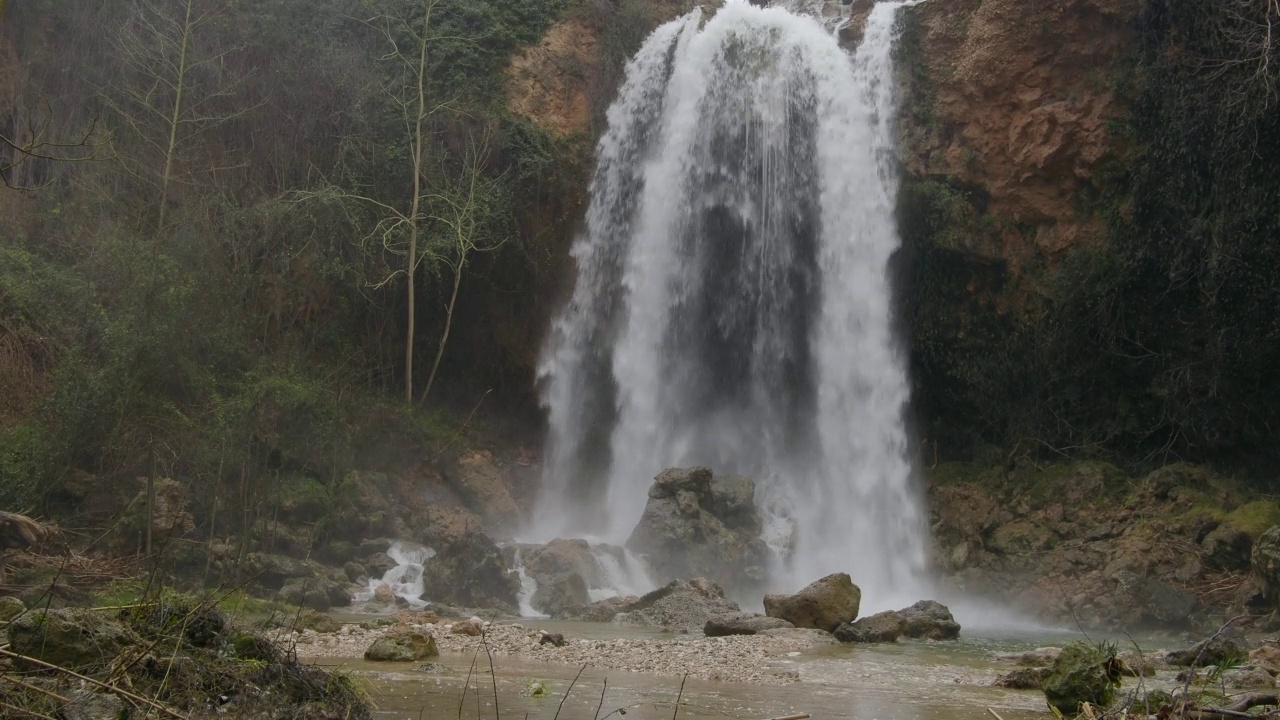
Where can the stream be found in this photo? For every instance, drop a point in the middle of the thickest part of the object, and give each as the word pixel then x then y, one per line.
pixel 904 681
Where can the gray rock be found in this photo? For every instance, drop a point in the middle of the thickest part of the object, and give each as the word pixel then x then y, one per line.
pixel 88 705
pixel 472 572
pixel 1248 677
pixel 601 611
pixel 402 647
pixel 741 623
pixel 824 604
pixel 560 591
pixel 1148 603
pixel 929 620
pixel 695 525
pixel 679 606
pixel 315 593
pixel 562 557
pixel 1212 651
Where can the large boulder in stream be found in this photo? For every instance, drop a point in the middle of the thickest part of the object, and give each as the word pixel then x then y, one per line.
pixel 679 606
pixel 406 646
pixel 927 619
pixel 1081 673
pixel 558 592
pixel 742 623
pixel 472 572
pixel 696 524
pixel 824 604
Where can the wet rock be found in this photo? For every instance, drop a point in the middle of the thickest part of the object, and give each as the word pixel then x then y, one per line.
pixel 1266 563
pixel 697 525
pixel 556 639
pixel 562 557
pixel 929 620
pixel 1216 650
pixel 679 606
pixel 824 604
pixel 556 592
pixel 1082 673
pixel 741 623
pixel 472 572
pixel 315 593
pixel 924 620
pixel 1024 678
pixel 406 646
pixel 1248 677
pixel 884 627
pixel 467 627
pixel 1134 665
pixel 71 637
pixel 599 611
pixel 273 571
pixel 384 594
pixel 1040 657
pixel 354 571
pixel 10 608
pixel 317 621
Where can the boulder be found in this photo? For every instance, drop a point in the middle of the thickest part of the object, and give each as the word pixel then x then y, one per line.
pixel 562 557
pixel 929 620
pixel 741 623
pixel 679 606
pixel 926 619
pixel 469 628
pixel 10 608
pixel 317 621
pixel 273 571
pixel 1247 677
pixel 89 705
pixel 1266 563
pixel 1082 673
pixel 599 611
pixel 697 525
pixel 559 591
pixel 1223 647
pixel 472 572
pixel 71 637
pixel 882 627
pixel 405 646
pixel 384 594
pixel 1266 657
pixel 1227 548
pixel 825 604
pixel 1024 678
pixel 1133 664
pixel 315 593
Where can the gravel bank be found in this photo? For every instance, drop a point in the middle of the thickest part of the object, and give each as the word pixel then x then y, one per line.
pixel 739 658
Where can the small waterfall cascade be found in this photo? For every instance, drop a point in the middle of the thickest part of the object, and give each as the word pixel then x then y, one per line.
pixel 528 586
pixel 733 306
pixel 622 573
pixel 405 579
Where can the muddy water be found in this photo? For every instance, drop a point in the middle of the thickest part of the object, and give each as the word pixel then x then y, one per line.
pixel 906 681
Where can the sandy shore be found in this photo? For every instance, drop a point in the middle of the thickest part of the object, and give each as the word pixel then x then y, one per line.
pixel 742 658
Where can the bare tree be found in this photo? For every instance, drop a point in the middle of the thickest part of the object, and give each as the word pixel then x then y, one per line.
pixel 462 208
pixel 31 140
pixel 173 89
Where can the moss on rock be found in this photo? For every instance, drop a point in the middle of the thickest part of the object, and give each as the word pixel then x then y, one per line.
pixel 1082 673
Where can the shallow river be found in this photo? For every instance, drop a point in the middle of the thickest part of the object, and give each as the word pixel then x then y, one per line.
pixel 906 681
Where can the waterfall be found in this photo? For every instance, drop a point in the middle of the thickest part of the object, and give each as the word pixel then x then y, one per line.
pixel 733 307
pixel 405 579
pixel 528 586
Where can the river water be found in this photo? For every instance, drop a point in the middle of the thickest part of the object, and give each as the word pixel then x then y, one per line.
pixel 904 681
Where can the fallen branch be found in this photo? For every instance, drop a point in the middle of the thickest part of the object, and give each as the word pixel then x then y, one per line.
pixel 109 688
pixel 34 688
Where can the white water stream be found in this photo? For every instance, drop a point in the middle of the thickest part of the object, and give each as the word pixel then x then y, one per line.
pixel 733 307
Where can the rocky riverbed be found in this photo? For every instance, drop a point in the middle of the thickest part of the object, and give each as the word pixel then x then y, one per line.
pixel 739 658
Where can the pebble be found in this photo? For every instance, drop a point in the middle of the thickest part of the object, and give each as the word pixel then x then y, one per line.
pixel 736 658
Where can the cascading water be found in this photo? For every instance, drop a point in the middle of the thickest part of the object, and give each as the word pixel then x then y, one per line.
pixel 733 308
pixel 405 580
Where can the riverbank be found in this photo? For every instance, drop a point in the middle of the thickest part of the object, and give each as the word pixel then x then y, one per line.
pixel 739 658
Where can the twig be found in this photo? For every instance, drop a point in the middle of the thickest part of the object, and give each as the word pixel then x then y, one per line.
pixel 467 684
pixel 42 691
pixel 484 639
pixel 25 711
pixel 994 714
pixel 109 688
pixel 679 695
pixel 569 690
pixel 603 690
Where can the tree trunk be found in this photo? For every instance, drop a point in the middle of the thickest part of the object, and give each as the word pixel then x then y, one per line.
pixel 448 323
pixel 174 119
pixel 417 144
